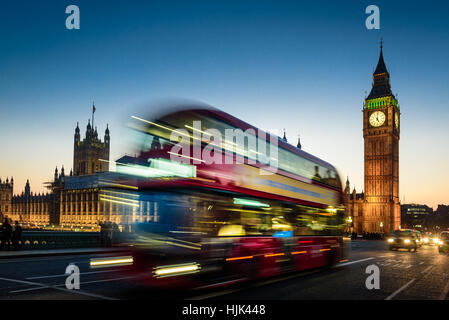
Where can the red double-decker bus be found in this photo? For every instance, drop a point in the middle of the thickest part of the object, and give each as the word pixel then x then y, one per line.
pixel 203 221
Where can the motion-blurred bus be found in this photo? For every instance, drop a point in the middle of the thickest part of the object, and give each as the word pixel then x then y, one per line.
pixel 202 224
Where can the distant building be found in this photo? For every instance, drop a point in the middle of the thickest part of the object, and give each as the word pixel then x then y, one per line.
pixel 82 199
pixel 68 202
pixel 416 216
pixel 6 192
pixel 355 206
pixel 29 208
pixel 441 217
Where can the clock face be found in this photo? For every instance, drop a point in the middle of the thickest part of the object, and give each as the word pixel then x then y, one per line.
pixel 396 120
pixel 377 118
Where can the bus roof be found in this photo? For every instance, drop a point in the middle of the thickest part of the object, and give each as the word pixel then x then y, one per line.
pixel 226 117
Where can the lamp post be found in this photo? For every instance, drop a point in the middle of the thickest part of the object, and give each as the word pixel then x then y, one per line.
pixel 349 222
pixel 381 224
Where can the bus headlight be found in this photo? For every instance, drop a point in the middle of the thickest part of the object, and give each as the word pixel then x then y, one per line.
pixel 176 270
pixel 407 241
pixel 440 243
pixel 111 262
pixel 390 240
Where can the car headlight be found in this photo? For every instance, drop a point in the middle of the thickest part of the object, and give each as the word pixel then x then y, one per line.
pixel 436 240
pixel 426 240
pixel 440 243
pixel 390 240
pixel 406 241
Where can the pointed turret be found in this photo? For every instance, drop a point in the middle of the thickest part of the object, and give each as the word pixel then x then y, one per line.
pixel 381 67
pixel 299 142
pixel 284 138
pixel 381 79
pixel 27 189
pixel 348 187
pixel 77 137
pixel 89 131
pixel 107 138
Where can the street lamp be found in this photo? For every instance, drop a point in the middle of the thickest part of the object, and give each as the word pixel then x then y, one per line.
pixel 349 222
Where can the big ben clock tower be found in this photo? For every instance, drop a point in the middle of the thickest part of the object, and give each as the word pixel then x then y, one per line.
pixel 381 128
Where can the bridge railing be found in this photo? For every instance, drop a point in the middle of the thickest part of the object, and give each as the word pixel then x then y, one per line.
pixel 35 240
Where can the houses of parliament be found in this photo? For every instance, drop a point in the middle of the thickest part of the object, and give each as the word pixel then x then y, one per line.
pixel 80 200
pixel 73 199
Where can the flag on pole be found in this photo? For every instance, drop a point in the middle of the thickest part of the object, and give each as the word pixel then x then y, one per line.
pixel 93 113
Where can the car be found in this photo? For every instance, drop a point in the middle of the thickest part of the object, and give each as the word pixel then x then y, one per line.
pixel 433 240
pixel 430 239
pixel 403 239
pixel 443 242
pixel 419 238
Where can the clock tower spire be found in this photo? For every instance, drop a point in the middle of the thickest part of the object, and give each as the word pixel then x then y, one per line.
pixel 381 129
pixel 381 79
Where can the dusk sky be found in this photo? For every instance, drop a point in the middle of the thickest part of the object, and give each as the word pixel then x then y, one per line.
pixel 302 66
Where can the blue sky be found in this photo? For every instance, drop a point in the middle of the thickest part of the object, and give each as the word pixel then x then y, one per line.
pixel 303 66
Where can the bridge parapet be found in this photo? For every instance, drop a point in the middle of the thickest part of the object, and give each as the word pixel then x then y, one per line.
pixel 34 240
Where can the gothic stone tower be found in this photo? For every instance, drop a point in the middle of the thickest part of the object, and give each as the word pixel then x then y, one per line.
pixel 381 130
pixel 6 193
pixel 88 153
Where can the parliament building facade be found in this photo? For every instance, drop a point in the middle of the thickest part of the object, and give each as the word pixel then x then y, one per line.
pixel 80 200
pixel 72 201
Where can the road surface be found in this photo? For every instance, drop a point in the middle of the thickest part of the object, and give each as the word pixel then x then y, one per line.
pixel 403 275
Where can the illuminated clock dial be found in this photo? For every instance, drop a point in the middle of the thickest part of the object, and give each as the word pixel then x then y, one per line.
pixel 377 118
pixel 396 120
